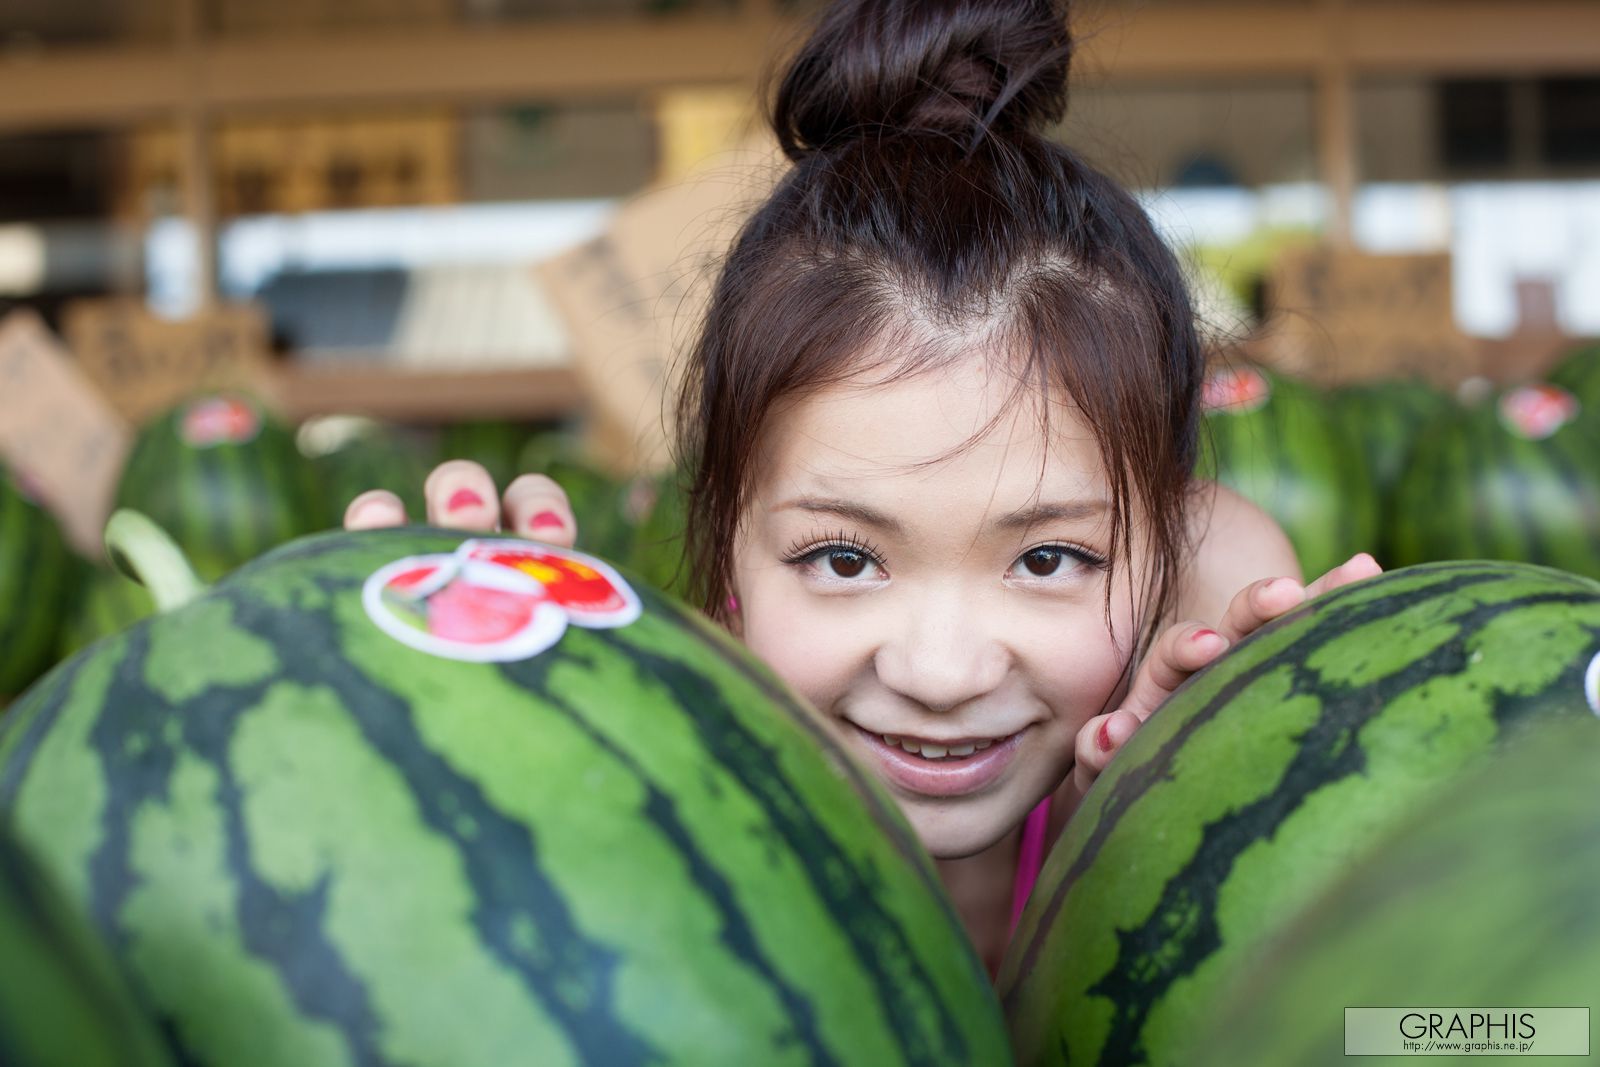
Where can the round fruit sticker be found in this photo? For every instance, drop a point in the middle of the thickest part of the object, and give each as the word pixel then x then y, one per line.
pixel 1591 684
pixel 495 601
pixel 1537 411
pixel 219 420
pixel 1235 391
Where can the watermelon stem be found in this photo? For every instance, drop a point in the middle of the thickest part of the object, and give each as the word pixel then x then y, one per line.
pixel 146 553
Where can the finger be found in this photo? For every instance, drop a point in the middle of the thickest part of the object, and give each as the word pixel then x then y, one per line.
pixel 1259 602
pixel 1354 569
pixel 535 506
pixel 461 496
pixel 374 510
pixel 1098 740
pixel 1179 652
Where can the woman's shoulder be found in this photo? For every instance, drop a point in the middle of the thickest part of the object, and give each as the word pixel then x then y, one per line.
pixel 1235 543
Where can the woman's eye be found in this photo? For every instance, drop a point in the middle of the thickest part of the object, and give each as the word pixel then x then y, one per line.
pixel 1053 561
pixel 843 562
pixel 1043 562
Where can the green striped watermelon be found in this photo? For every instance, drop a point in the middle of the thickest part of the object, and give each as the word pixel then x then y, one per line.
pixel 1485 899
pixel 1275 441
pixel 37 575
pixel 1579 374
pixel 494 443
pixel 108 603
pixel 62 1003
pixel 318 830
pixel 224 478
pixel 657 552
pixel 373 457
pixel 1386 418
pixel 1515 479
pixel 1264 776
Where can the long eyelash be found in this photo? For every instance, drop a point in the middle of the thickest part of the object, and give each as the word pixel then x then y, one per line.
pixel 804 549
pixel 1083 555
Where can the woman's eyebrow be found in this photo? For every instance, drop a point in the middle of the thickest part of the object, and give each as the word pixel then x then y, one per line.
pixel 1053 511
pixel 1022 519
pixel 846 509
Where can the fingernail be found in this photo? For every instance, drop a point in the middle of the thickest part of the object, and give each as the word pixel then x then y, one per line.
pixel 1102 736
pixel 1201 635
pixel 462 499
pixel 546 519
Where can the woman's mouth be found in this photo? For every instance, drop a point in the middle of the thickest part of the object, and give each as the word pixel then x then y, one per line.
pixel 951 768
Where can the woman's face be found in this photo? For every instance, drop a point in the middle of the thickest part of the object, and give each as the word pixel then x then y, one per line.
pixel 944 605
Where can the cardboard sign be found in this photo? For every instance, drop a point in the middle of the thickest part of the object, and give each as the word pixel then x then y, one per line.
pixel 57 431
pixel 144 364
pixel 634 297
pixel 1339 317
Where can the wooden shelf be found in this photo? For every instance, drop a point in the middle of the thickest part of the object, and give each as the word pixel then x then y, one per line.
pixel 385 392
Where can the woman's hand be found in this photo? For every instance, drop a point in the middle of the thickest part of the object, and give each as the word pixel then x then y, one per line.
pixel 1188 646
pixel 461 495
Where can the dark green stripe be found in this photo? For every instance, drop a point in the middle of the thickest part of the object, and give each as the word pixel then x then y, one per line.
pixel 838 883
pixel 571 975
pixel 662 813
pixel 34 720
pixel 1336 618
pixel 1181 931
pixel 282 930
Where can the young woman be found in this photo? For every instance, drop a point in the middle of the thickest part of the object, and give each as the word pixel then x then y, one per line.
pixel 942 417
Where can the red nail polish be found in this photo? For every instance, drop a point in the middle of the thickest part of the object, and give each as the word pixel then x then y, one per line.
pixel 545 518
pixel 464 498
pixel 1102 736
pixel 1201 635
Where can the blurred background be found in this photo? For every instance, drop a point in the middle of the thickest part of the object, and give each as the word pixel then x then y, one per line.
pixel 437 211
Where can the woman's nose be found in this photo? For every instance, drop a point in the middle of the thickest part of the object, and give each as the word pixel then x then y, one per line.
pixel 943 655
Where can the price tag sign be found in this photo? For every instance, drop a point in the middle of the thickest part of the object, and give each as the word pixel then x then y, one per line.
pixel 1341 317
pixel 145 364
pixel 57 431
pixel 633 297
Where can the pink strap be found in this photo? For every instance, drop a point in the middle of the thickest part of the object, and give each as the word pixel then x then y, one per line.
pixel 1030 858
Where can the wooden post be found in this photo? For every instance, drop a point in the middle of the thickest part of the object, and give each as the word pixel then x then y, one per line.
pixel 194 155
pixel 1336 124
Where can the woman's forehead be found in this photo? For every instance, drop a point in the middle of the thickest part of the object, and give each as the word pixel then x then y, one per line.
pixel 956 420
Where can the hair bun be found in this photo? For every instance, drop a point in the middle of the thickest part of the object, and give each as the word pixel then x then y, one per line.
pixel 960 67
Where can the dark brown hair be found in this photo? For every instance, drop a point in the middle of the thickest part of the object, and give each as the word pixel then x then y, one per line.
pixel 924 195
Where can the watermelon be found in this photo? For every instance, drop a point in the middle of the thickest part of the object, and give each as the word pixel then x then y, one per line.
pixel 1386 418
pixel 1275 442
pixel 373 456
pixel 36 581
pixel 1484 898
pixel 495 444
pixel 225 478
pixel 395 797
pixel 1579 374
pixel 108 602
pixel 62 1003
pixel 1517 478
pixel 1264 776
pixel 657 552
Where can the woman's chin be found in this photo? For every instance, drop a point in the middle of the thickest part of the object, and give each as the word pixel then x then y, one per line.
pixel 953 835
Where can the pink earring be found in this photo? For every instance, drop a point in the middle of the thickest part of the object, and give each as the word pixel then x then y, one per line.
pixel 733 604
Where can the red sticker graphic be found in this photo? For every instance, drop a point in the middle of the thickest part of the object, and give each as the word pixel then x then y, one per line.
pixel 1537 411
pixel 219 420
pixel 1235 392
pixel 496 601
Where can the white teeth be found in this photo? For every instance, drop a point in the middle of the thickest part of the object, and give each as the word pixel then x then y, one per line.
pixel 963 750
pixel 981 745
pixel 892 742
pixel 911 747
pixel 934 751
